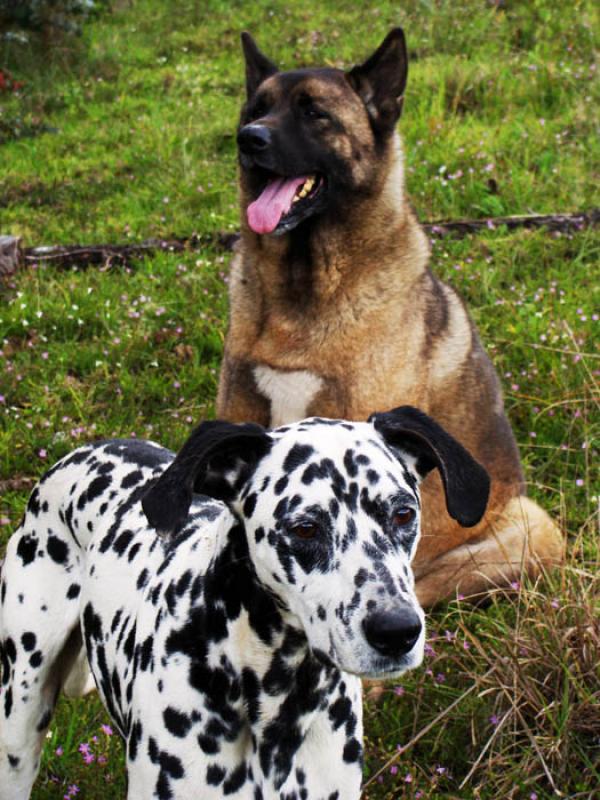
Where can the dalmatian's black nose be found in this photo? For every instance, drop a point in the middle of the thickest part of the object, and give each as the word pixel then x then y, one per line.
pixel 393 633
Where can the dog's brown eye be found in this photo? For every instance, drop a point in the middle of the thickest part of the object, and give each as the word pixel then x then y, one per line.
pixel 305 531
pixel 403 517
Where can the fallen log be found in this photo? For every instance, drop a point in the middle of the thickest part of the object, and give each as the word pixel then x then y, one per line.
pixel 109 255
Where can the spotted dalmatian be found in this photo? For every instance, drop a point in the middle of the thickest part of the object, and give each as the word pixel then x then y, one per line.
pixel 227 600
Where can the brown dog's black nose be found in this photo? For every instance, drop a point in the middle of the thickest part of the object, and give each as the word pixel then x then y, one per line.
pixel 393 633
pixel 253 139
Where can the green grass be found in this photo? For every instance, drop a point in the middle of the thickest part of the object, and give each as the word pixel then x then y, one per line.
pixel 127 134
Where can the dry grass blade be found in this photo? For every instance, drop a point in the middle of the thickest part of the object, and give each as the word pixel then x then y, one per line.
pixel 444 713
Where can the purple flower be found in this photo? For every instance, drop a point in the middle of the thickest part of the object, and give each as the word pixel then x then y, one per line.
pixel 107 730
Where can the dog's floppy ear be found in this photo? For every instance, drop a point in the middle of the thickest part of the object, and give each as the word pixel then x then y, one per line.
pixel 215 460
pixel 258 66
pixel 381 80
pixel 466 483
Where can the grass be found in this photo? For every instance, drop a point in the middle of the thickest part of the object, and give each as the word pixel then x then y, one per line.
pixel 127 134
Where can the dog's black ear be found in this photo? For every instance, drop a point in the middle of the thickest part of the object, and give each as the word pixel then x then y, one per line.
pixel 258 66
pixel 381 80
pixel 216 461
pixel 466 483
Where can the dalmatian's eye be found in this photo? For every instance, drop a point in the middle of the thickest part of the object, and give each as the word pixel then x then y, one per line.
pixel 305 530
pixel 403 516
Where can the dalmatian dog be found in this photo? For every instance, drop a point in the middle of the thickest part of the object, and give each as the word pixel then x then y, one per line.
pixel 227 600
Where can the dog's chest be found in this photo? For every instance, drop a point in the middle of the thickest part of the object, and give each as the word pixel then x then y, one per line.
pixel 290 393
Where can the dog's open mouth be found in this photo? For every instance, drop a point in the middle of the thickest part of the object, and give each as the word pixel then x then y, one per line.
pixel 284 203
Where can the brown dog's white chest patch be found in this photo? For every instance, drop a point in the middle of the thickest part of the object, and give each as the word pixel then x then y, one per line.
pixel 290 393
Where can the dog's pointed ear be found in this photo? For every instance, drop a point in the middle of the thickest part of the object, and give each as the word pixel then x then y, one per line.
pixel 466 483
pixel 216 461
pixel 258 66
pixel 381 80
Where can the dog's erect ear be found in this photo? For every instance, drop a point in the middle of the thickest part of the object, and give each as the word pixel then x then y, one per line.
pixel 381 80
pixel 466 483
pixel 216 461
pixel 258 66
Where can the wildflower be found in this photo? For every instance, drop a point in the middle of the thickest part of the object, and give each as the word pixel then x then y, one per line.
pixel 393 770
pixel 399 690
pixel 494 720
pixel 107 730
pixel 408 778
pixel 579 482
pixel 59 751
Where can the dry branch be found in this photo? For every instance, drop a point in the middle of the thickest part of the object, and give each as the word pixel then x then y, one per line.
pixel 107 255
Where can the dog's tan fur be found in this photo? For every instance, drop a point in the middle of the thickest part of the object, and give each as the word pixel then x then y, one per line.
pixel 375 328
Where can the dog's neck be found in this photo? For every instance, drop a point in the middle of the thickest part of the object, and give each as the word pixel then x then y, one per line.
pixel 273 697
pixel 323 257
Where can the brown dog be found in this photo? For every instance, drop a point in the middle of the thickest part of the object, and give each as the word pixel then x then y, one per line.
pixel 334 311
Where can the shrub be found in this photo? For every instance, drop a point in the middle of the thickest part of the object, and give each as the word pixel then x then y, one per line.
pixel 44 15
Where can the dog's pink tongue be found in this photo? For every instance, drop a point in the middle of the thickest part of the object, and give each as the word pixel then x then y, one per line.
pixel 275 201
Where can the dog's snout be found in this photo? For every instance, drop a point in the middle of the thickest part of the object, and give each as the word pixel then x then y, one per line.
pixel 254 139
pixel 393 633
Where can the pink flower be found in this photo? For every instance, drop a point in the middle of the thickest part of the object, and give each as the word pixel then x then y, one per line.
pixel 107 730
pixel 59 751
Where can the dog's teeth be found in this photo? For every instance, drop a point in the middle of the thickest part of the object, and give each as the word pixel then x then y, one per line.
pixel 306 187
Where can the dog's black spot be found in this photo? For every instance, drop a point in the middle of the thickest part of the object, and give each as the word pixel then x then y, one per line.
pixel 28 640
pixel 298 455
pixel 352 751
pixel 214 775
pixel 281 485
pixel 135 736
pixel 122 542
pixel 96 489
pixel 36 659
pixel 14 761
pixel 33 506
pixel 8 702
pixel 73 591
pixel 57 549
pixel 259 534
pixel 142 579
pixel 132 479
pixel 27 548
pixel 249 505
pixel 235 780
pixel 251 693
pixel 176 722
pixel 208 744
pixel 133 551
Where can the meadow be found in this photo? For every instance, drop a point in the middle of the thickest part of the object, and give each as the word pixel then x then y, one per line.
pixel 128 133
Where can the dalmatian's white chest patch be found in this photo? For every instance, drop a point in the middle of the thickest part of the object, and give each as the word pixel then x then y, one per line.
pixel 290 393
